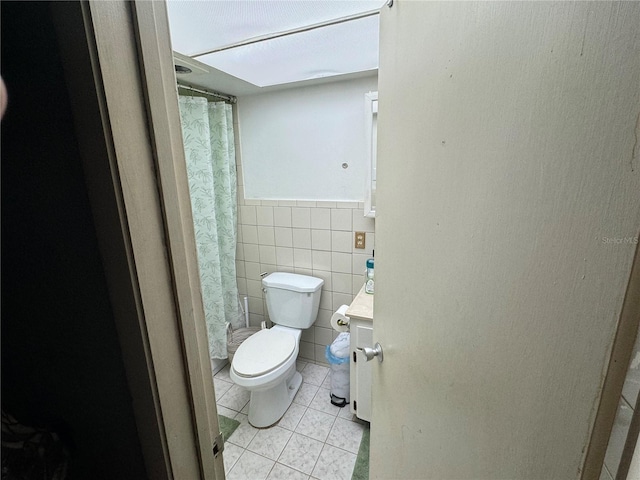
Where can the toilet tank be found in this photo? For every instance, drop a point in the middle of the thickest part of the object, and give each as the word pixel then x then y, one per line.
pixel 292 299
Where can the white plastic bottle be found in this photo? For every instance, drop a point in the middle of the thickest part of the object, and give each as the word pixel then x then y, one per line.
pixel 368 286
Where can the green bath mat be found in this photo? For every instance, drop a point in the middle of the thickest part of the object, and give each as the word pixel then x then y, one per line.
pixel 227 426
pixel 361 469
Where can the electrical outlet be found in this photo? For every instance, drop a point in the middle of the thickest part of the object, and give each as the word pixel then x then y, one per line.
pixel 360 239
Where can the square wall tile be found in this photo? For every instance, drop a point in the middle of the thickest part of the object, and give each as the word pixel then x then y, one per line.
pixel 302 238
pixel 340 299
pixel 342 241
pixel 359 263
pixel 282 216
pixel 324 318
pixel 269 203
pixel 326 294
pixel 321 260
pixel 264 216
pixel 341 262
pixel 283 236
pixel 247 215
pixel 307 350
pixel 242 286
pixel 302 258
pixel 255 320
pixel 357 282
pixel 326 276
pixel 240 271
pixel 284 257
pixel 301 217
pixel 266 235
pixel 341 282
pixel 320 357
pixel 251 253
pixel 308 335
pixel 250 234
pixel 321 239
pixel 255 305
pixel 268 254
pixel 268 267
pixel 326 300
pixel 341 219
pixel 323 335
pixel 321 218
pixel 287 203
pixel 252 270
pixel 254 288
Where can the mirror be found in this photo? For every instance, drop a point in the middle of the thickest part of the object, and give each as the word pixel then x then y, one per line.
pixel 371 130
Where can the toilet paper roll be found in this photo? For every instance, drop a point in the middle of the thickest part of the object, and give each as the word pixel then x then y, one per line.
pixel 339 321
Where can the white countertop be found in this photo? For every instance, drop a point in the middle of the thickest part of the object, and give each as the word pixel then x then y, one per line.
pixel 362 306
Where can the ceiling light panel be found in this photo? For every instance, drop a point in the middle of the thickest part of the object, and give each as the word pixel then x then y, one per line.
pixel 201 26
pixel 332 50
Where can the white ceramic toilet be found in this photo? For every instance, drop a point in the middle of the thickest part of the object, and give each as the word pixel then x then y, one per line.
pixel 265 363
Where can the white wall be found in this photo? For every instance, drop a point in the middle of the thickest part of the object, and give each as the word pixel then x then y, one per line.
pixel 516 125
pixel 294 142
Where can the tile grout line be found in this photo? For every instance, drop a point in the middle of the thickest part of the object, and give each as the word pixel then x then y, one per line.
pixel 277 461
pixel 292 431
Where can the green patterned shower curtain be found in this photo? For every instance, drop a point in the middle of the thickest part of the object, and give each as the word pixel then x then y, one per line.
pixel 207 130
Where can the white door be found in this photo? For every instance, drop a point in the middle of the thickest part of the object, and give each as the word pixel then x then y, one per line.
pixel 508 180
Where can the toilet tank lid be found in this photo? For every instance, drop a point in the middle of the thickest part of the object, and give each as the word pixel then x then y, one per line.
pixel 293 281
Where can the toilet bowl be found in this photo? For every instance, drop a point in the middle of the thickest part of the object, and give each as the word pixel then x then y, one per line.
pixel 265 363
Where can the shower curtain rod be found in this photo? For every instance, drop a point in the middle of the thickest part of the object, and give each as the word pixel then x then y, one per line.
pixel 226 98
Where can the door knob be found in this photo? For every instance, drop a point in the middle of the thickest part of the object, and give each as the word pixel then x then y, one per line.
pixel 369 352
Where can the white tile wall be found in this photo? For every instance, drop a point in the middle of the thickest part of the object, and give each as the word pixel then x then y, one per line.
pixel 307 237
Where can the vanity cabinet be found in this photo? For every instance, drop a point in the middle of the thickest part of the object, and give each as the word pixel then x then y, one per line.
pixel 361 326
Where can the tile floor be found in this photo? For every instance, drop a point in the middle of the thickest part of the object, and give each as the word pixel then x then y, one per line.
pixel 314 439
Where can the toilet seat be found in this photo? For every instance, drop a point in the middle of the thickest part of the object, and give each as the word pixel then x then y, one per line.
pixel 263 352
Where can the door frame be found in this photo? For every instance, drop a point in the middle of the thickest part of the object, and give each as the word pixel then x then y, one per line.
pixel 119 70
pixel 614 379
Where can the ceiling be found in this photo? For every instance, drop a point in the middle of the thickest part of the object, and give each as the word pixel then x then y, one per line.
pixel 314 39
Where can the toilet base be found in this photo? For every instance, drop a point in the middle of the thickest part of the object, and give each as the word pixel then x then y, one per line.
pixel 268 406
